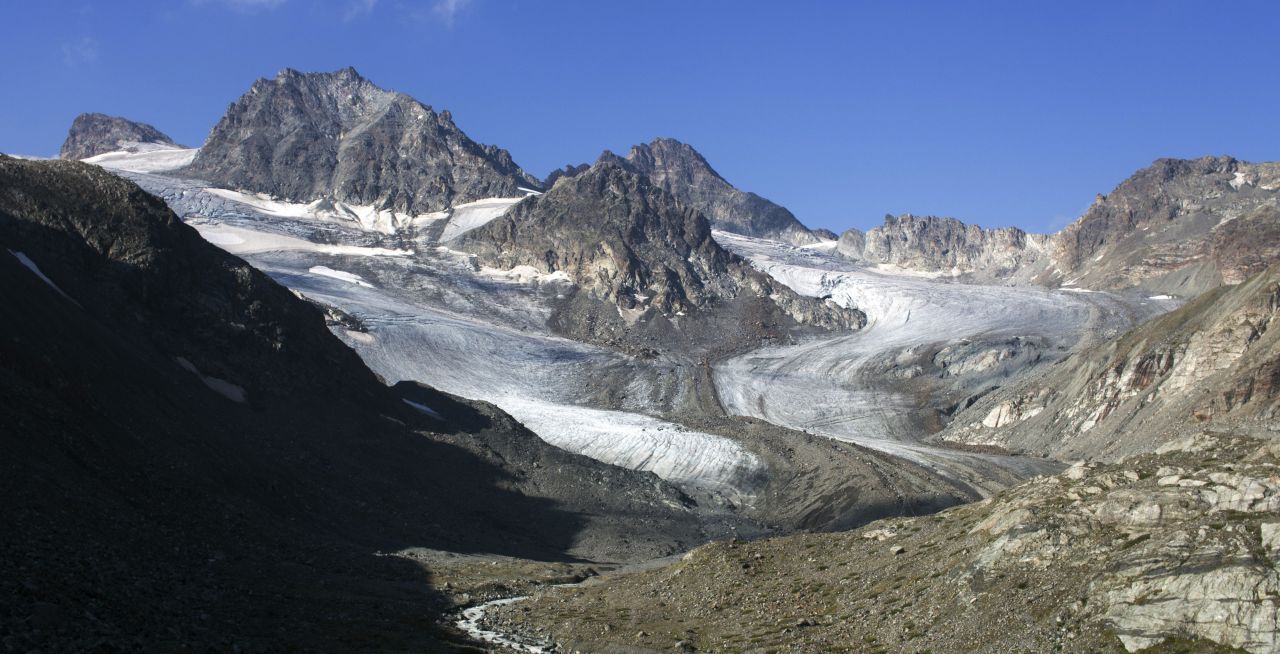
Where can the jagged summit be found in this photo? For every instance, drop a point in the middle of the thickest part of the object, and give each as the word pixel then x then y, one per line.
pixel 92 134
pixel 338 136
pixel 940 243
pixel 625 240
pixel 682 171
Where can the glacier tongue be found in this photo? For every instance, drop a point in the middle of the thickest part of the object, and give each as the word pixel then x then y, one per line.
pixel 827 387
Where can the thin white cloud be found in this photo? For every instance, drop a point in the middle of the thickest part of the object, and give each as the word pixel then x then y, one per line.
pixel 84 51
pixel 247 6
pixel 447 10
pixel 357 8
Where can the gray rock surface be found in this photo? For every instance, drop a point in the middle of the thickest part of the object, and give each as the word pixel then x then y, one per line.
pixel 93 134
pixel 1179 227
pixel 632 248
pixel 944 244
pixel 337 136
pixel 1216 360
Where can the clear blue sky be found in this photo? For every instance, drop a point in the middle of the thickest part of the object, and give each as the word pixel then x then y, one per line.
pixel 998 113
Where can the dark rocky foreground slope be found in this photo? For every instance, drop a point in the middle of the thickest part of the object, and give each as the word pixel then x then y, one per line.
pixel 1172 550
pixel 337 136
pixel 647 271
pixel 1179 226
pixel 94 134
pixel 193 461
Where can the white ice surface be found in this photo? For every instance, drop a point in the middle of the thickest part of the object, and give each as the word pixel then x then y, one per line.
pixel 822 386
pixel 466 217
pixel 537 378
pixel 325 271
pixel 153 159
pixel 242 241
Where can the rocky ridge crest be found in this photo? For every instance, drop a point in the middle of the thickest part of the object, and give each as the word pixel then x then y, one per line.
pixel 337 136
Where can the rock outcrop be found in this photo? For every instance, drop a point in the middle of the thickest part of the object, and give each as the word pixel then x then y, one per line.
pixel 680 170
pixel 336 136
pixel 944 245
pixel 624 241
pixel 1173 548
pixel 94 134
pixel 1216 360
pixel 1178 227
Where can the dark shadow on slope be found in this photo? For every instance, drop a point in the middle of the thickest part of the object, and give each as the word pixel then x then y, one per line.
pixel 143 509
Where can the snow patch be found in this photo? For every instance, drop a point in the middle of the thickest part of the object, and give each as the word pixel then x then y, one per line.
pixel 31 265
pixel 220 386
pixel 325 271
pixel 466 217
pixel 146 158
pixel 422 408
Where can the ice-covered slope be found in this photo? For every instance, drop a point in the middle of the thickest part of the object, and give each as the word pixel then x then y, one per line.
pixel 877 387
pixel 145 158
pixel 427 314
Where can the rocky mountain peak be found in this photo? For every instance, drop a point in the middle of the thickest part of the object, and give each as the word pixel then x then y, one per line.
pixel 627 242
pixel 92 134
pixel 682 171
pixel 338 136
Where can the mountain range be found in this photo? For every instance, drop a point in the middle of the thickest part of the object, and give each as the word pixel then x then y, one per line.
pixel 344 378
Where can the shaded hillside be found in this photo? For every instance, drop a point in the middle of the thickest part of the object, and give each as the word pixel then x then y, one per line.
pixel 193 460
pixel 337 136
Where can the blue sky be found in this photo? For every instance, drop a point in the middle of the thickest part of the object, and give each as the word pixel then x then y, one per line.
pixel 998 113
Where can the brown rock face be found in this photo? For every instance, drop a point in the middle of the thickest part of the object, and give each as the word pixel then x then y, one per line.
pixel 1216 358
pixel 307 136
pixel 1178 226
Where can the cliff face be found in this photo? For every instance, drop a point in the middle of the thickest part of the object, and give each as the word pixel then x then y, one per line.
pixel 682 171
pixel 308 136
pixel 1180 226
pixel 94 134
pixel 626 242
pixel 1214 361
pixel 943 244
